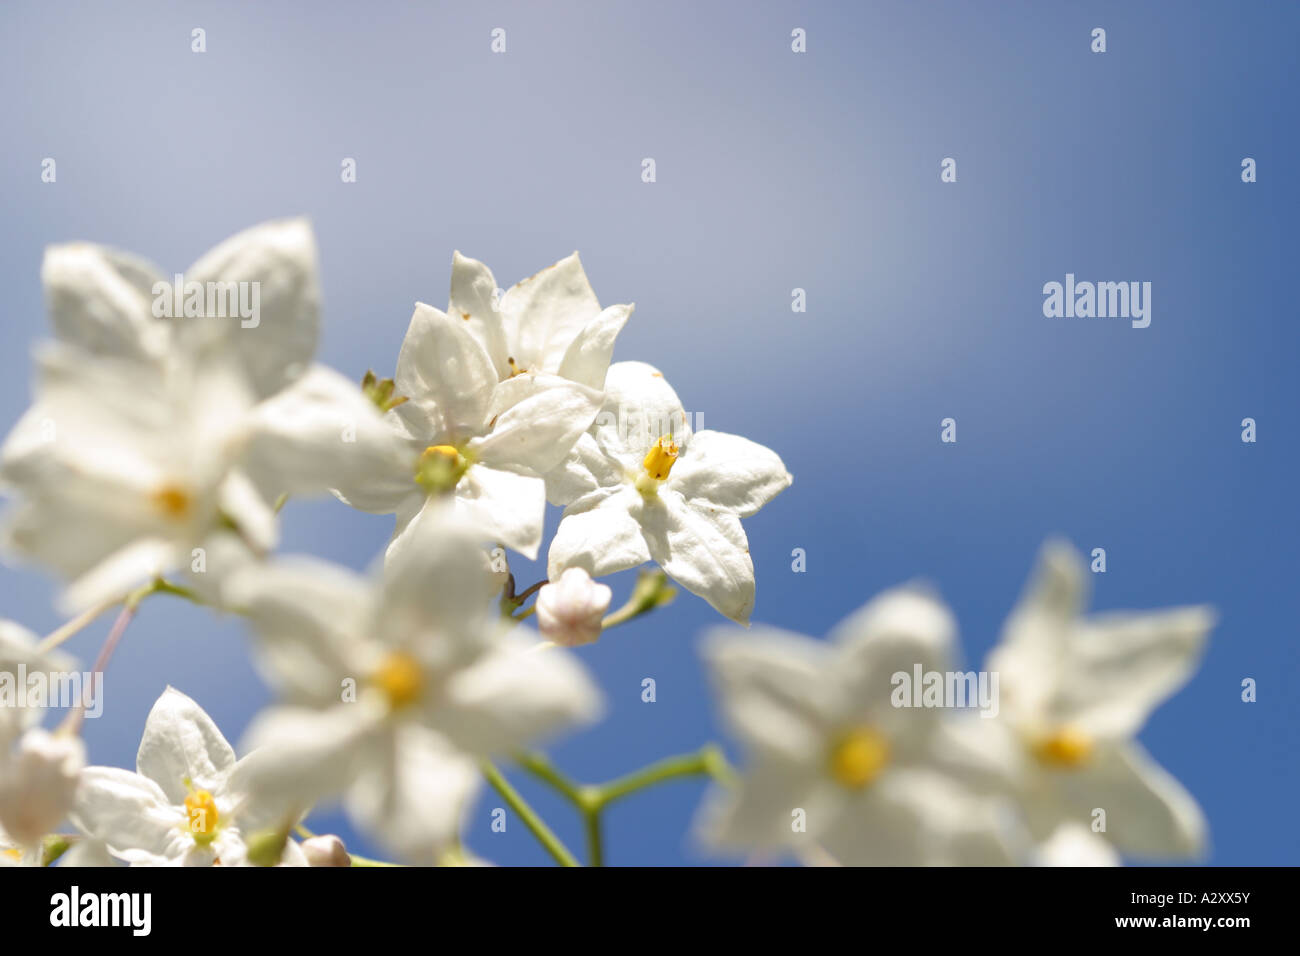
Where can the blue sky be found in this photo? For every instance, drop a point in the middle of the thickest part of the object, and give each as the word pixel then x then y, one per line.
pixel 775 171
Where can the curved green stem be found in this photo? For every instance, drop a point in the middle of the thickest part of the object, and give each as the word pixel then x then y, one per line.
pixel 526 813
pixel 591 801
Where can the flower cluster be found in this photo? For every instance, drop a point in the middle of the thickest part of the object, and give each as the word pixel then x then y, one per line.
pixel 164 438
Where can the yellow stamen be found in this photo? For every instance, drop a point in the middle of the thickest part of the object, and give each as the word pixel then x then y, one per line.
pixel 401 679
pixel 440 468
pixel 1067 747
pixel 13 854
pixel 514 368
pixel 173 501
pixel 859 757
pixel 661 457
pixel 201 816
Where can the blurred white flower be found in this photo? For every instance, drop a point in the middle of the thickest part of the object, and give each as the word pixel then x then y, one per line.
pixel 188 804
pixel 392 689
pixel 549 323
pixel 38 779
pixel 153 435
pixel 470 439
pixel 569 611
pixel 640 487
pixel 832 763
pixel 1074 693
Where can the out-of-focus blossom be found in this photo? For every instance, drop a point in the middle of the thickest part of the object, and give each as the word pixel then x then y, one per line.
pixel 327 850
pixel 393 689
pixel 832 762
pixel 38 781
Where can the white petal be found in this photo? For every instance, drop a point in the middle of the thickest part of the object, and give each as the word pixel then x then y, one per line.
pixel 586 468
pixel 436 582
pixel 537 420
pixel 101 300
pixel 602 540
pixel 309 616
pixel 120 573
pixel 181 743
pixel 505 507
pixel 894 633
pixel 640 407
pixel 472 300
pixel 547 311
pixel 759 811
pixel 1031 656
pixel 446 376
pixel 587 358
pixel 1148 813
pixel 771 687
pixel 705 551
pixel 276 345
pixel 729 472
pixel 513 696
pixel 1123 666
pixel 323 433
pixel 1074 844
pixel 297 756
pixel 414 792
pixel 130 814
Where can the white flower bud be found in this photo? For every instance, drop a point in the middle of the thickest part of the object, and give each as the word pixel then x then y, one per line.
pixel 569 611
pixel 325 850
pixel 38 783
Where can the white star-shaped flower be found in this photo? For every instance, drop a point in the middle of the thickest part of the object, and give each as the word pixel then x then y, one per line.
pixel 188 804
pixel 640 487
pixel 469 438
pixel 1074 692
pixel 550 322
pixel 153 435
pixel 393 689
pixel 832 761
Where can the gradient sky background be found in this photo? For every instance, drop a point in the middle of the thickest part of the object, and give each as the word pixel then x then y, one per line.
pixel 775 171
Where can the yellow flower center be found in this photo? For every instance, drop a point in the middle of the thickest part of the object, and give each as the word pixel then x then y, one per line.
pixel 659 460
pixel 172 501
pixel 1067 747
pixel 201 816
pixel 13 854
pixel 440 468
pixel 858 757
pixel 400 677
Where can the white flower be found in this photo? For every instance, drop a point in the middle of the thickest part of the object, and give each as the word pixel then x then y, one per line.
pixel 569 611
pixel 393 689
pixel 549 323
pixel 640 487
pixel 1074 693
pixel 188 804
pixel 832 761
pixel 153 435
pixel 470 439
pixel 112 304
pixel 37 782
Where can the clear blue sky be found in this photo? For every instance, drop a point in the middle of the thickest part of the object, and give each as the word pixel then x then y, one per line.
pixel 775 171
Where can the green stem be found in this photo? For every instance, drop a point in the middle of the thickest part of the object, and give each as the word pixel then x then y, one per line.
pixel 591 801
pixel 526 813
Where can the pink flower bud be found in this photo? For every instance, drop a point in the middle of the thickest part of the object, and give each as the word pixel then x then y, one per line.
pixel 569 611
